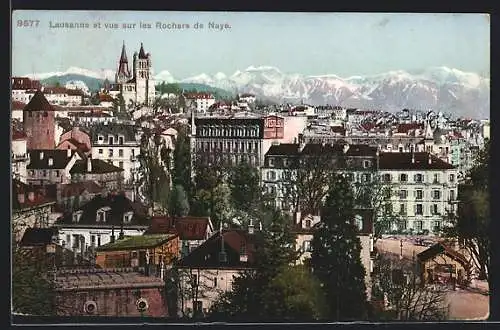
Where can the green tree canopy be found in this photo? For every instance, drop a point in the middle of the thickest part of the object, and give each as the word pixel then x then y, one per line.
pixel 336 253
pixel 179 204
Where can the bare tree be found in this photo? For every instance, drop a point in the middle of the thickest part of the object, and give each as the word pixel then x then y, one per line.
pixel 397 282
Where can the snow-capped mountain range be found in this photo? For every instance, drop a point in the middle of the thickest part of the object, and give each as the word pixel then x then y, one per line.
pixel 437 88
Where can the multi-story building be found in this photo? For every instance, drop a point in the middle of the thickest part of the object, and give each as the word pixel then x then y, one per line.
pixel 200 101
pixel 17 110
pixel 425 189
pixel 281 165
pixel 63 96
pixel 117 145
pixel 39 123
pixel 104 173
pixel 23 88
pixel 19 155
pixel 237 138
pixel 137 86
pixel 48 166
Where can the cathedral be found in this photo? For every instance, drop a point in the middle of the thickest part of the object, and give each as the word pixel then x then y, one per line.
pixel 137 86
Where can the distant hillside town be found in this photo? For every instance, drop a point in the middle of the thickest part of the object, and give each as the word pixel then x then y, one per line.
pixel 142 198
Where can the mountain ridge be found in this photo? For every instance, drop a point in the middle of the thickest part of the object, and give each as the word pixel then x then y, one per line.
pixel 437 88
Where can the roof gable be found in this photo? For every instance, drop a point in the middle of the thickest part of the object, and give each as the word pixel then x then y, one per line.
pixel 38 103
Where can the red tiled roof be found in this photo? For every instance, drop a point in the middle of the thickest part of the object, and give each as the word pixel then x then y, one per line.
pixel 188 228
pixel 17 135
pixel 16 105
pixel 81 146
pixel 105 98
pixel 404 128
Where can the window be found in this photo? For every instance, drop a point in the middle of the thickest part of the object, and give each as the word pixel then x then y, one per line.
pixel 403 177
pixel 452 195
pixel 419 209
pixel 98 240
pixel 44 172
pixel 194 280
pixel 419 178
pixel 215 282
pixel 92 240
pixel 436 194
pixel 437 225
pixel 366 178
pixel 100 216
pixel 111 140
pixel 402 209
pixel 120 164
pixel 308 223
pixel 271 162
pixel 366 164
pixel 387 178
pixel 419 194
pixel 100 151
pixel 434 209
pixel 68 239
pixel 436 178
pixel 57 173
pixel 452 177
pixel 306 246
pixel 271 175
pixel 388 208
pixel 418 225
pixel 110 153
pixel 120 152
pixel 120 140
pixel 243 248
pixel 127 217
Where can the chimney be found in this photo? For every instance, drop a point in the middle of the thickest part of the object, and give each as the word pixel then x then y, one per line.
pixel 51 161
pixel 346 148
pixel 31 196
pixel 41 154
pixel 20 198
pixel 68 152
pixel 89 164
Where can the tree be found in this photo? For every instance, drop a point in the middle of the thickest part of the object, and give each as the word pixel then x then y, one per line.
pixel 377 195
pixel 471 224
pixel 335 257
pixel 396 282
pixel 179 204
pixel 307 182
pixel 181 173
pixel 261 293
pixel 245 187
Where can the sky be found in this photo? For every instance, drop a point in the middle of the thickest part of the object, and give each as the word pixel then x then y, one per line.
pixel 345 44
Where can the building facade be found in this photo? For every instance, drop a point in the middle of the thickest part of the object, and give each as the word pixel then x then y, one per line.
pixel 425 190
pixel 200 101
pixel 117 145
pixel 19 155
pixel 50 166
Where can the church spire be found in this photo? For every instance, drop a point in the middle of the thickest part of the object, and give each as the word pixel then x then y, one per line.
pixel 123 57
pixel 142 53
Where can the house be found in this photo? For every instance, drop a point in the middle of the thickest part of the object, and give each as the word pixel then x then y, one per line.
pixel 426 189
pixel 63 96
pixel 100 221
pixel 247 98
pixel 117 145
pixel 71 196
pixel 109 292
pixel 442 264
pixel 154 252
pixel 17 110
pixel 210 268
pixel 46 166
pixel 192 231
pixel 19 160
pixel 75 139
pixel 200 101
pixel 30 209
pixel 39 244
pixel 105 174
pixel 21 88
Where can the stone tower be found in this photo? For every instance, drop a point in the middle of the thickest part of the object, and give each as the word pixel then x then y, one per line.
pixel 39 123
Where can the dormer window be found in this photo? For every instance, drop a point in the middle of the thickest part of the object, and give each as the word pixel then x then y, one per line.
pixel 127 217
pixel 77 216
pixel 100 138
pixel 101 214
pixel 121 140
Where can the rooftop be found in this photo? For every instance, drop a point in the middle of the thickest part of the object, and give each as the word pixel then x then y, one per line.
pixel 137 242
